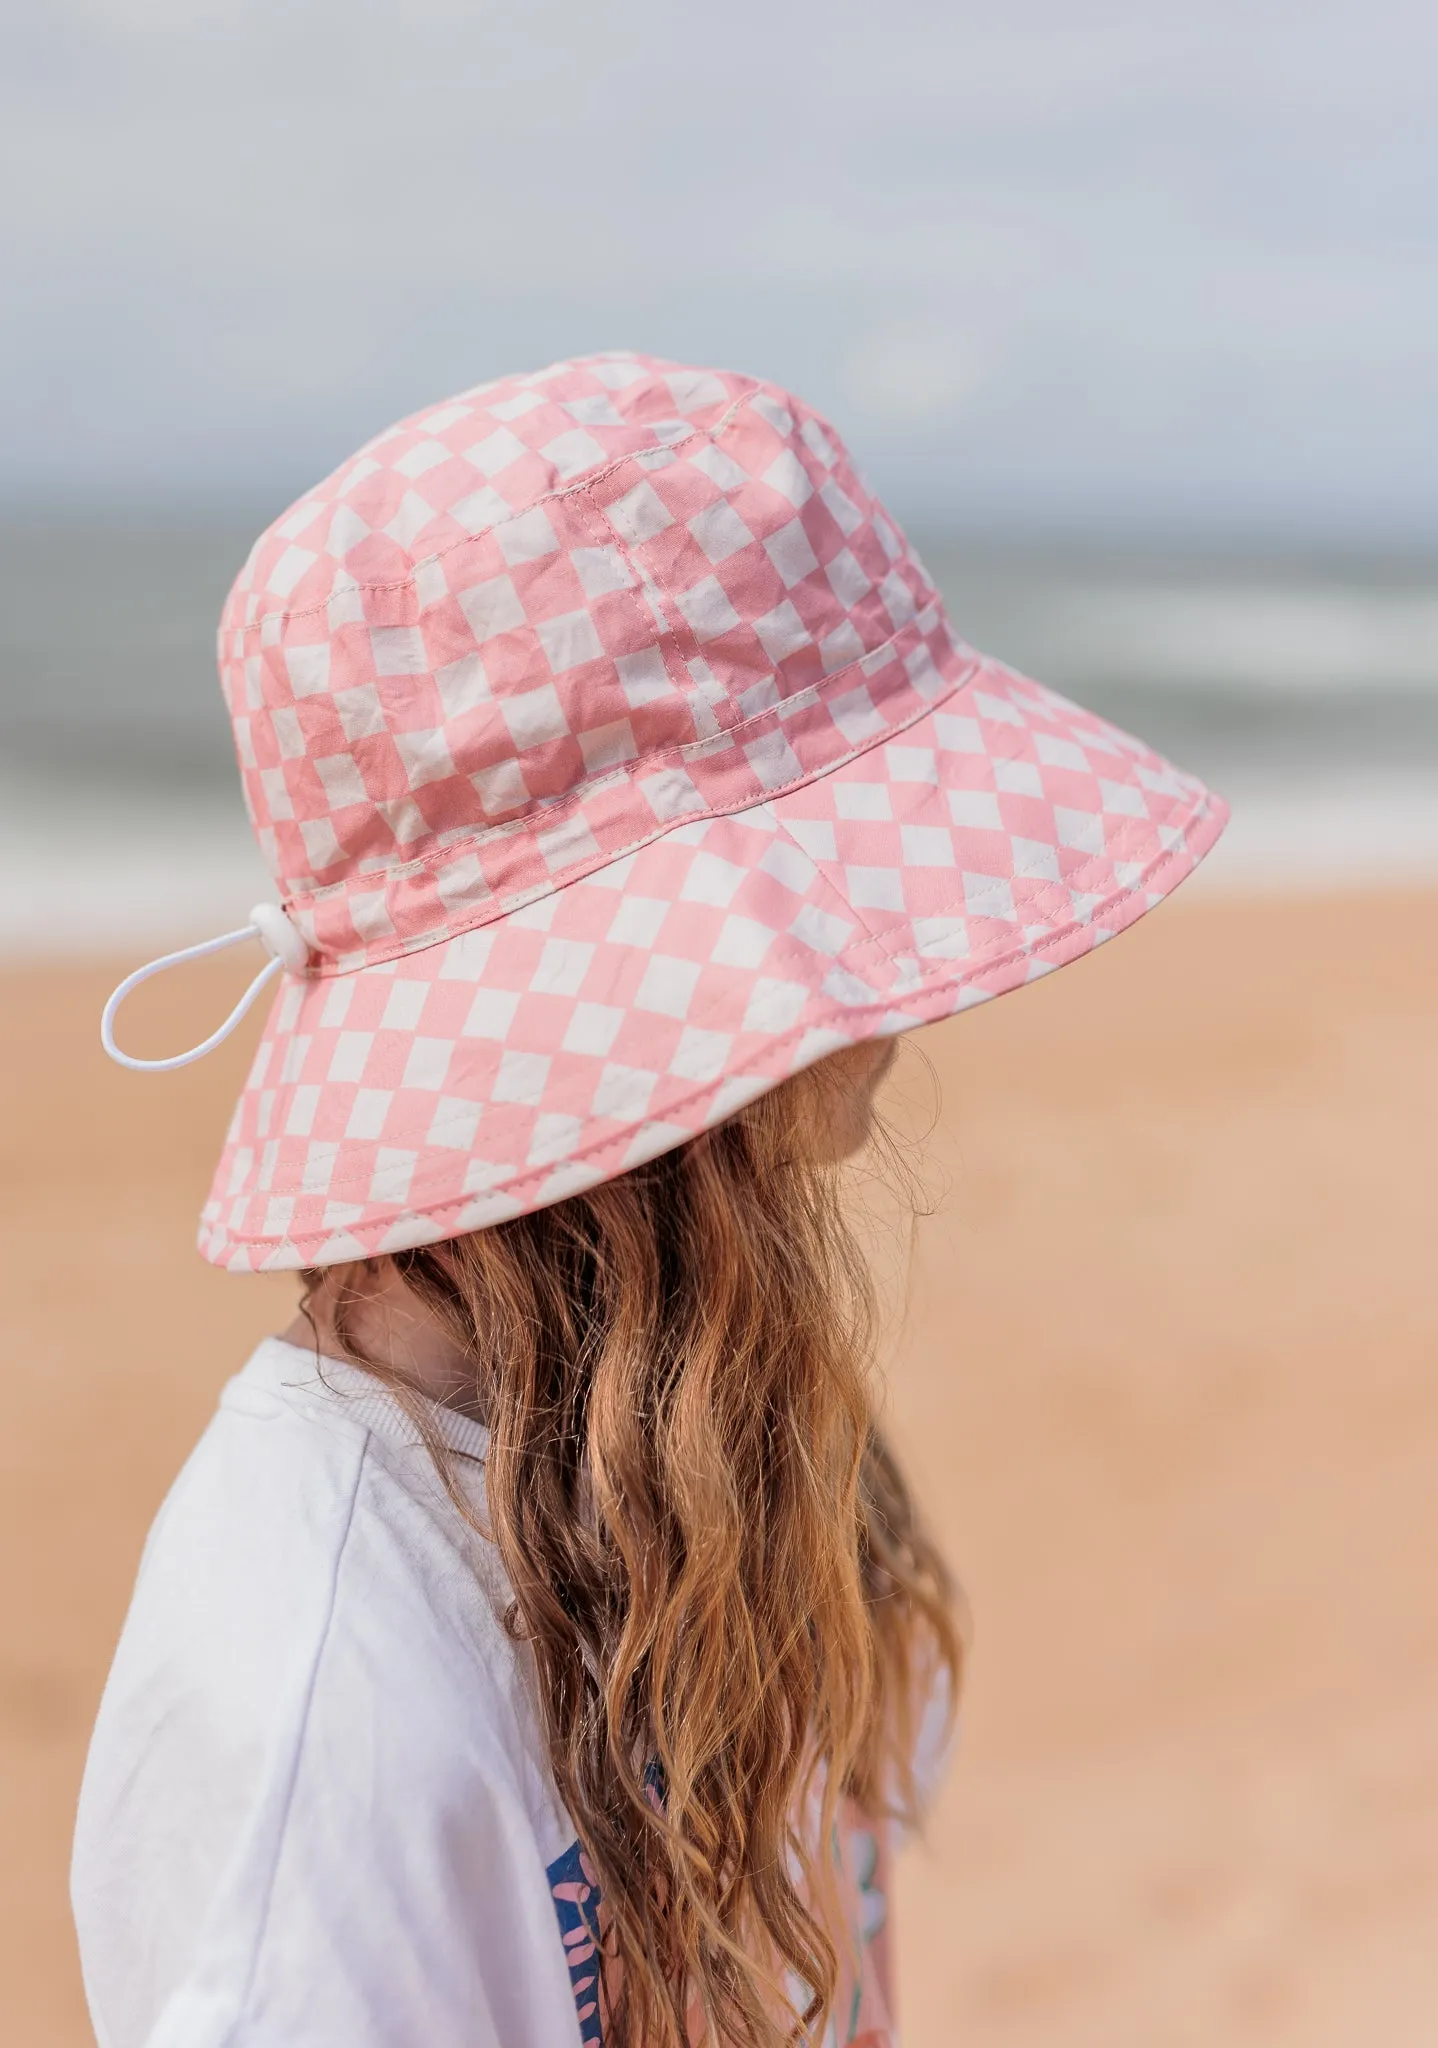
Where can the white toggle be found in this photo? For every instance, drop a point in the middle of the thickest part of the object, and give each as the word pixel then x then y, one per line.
pixel 280 939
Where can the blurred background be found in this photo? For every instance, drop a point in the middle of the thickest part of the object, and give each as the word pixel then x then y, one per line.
pixel 1130 311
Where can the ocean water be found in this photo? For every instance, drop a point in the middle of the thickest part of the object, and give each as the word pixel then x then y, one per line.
pixel 1306 690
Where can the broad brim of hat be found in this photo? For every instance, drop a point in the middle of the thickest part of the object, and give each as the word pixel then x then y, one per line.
pixel 1001 835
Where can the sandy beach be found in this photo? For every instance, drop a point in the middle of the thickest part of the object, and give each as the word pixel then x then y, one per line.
pixel 1167 1384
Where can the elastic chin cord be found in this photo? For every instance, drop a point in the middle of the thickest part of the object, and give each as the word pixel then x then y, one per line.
pixel 276 934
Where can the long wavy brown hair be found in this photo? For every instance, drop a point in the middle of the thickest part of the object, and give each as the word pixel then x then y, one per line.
pixel 714 1555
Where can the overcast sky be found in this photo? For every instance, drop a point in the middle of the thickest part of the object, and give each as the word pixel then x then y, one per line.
pixel 1045 261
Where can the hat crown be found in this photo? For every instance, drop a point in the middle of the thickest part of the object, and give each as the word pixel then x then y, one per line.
pixel 527 628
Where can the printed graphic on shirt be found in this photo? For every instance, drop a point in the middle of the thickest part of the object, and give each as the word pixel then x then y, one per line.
pixel 861 2015
pixel 576 1902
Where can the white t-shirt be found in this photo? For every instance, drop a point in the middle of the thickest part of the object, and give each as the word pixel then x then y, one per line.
pixel 317 1811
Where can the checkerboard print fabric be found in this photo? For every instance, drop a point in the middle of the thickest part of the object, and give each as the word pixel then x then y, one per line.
pixel 615 758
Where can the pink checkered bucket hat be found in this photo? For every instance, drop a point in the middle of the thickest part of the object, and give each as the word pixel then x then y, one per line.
pixel 615 759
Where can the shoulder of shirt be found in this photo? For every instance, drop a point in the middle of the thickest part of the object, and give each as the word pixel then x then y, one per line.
pixel 300 1433
pixel 281 1377
pixel 310 1515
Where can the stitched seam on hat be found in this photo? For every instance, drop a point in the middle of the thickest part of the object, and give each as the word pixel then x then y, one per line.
pixel 673 622
pixel 891 939
pixel 493 907
pixel 888 943
pixel 812 695
pixel 542 810
pixel 1200 812
pixel 660 623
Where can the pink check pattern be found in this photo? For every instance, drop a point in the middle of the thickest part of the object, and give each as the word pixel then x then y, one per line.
pixel 615 758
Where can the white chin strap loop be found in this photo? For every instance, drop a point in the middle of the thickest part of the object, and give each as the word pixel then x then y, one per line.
pixel 280 940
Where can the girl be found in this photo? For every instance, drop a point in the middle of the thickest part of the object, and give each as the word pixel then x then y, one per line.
pixel 541 1645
